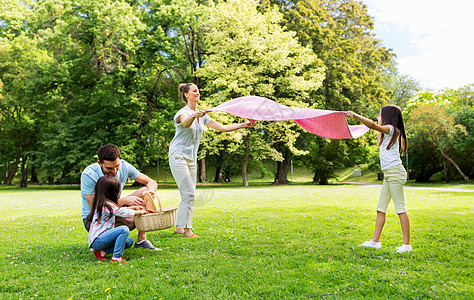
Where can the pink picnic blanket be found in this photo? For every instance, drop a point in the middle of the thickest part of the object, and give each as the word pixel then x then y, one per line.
pixel 326 123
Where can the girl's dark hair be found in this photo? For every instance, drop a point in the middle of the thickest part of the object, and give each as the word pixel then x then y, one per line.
pixel 106 189
pixel 184 88
pixel 392 114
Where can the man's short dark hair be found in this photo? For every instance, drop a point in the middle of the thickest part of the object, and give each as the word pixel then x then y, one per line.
pixel 108 152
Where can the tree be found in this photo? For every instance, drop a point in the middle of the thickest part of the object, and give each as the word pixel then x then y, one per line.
pixel 172 51
pixel 94 45
pixel 403 87
pixel 249 53
pixel 326 157
pixel 25 109
pixel 340 33
pixel 463 113
pixel 430 127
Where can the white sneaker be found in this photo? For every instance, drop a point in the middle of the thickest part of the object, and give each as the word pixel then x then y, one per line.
pixel 372 244
pixel 404 248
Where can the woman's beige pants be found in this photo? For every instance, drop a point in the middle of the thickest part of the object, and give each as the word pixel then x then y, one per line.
pixel 184 172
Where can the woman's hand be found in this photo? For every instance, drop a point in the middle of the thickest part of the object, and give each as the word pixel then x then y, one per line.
pixel 349 114
pixel 199 114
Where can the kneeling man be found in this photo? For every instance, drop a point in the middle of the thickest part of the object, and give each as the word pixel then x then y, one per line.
pixel 110 164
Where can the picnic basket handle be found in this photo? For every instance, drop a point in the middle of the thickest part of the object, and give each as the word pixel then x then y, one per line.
pixel 159 204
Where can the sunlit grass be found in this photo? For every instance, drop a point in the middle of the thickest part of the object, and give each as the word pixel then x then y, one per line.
pixel 269 242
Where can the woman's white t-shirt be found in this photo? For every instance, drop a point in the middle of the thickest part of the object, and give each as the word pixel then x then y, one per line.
pixel 391 157
pixel 186 140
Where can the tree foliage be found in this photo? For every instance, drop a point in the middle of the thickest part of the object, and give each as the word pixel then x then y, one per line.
pixel 432 128
pixel 25 106
pixel 340 33
pixel 75 75
pixel 249 53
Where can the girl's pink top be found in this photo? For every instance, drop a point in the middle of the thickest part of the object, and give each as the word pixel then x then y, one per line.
pixel 326 123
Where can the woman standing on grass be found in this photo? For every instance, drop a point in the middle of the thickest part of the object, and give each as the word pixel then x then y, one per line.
pixel 189 123
pixel 391 138
pixel 103 237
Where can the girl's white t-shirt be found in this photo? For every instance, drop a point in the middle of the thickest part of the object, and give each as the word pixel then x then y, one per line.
pixel 389 158
pixel 186 140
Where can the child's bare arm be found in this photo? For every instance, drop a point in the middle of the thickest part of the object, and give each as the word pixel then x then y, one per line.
pixel 369 123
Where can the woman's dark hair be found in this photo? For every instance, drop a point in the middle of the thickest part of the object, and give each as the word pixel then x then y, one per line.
pixel 392 114
pixel 184 88
pixel 106 189
pixel 108 152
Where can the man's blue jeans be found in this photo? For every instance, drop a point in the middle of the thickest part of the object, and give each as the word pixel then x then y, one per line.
pixel 113 240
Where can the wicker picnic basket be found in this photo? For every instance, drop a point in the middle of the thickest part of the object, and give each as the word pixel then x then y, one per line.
pixel 156 219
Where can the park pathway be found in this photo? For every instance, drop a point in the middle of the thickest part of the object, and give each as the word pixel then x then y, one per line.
pixel 367 184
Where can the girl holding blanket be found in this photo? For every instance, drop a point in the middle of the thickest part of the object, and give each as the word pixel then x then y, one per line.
pixel 392 141
pixel 103 237
pixel 189 123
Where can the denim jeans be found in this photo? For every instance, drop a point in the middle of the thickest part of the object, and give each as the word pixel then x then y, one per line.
pixel 113 240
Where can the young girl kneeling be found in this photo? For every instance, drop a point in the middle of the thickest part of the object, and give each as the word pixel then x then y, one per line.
pixel 392 137
pixel 103 237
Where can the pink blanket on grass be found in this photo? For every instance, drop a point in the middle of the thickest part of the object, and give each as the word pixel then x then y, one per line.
pixel 326 123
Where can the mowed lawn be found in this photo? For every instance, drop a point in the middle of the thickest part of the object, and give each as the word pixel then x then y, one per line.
pixel 268 242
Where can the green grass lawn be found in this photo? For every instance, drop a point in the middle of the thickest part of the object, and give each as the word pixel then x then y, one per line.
pixel 269 242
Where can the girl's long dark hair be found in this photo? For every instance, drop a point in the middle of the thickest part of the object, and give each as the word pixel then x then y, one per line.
pixel 392 114
pixel 106 189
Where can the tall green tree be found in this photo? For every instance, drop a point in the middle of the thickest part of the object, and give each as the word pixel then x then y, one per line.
pixel 249 53
pixel 25 108
pixel 340 33
pixel 172 51
pixel 94 44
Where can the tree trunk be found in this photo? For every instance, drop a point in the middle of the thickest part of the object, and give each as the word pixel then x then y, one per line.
pixel 321 177
pixel 245 180
pixel 34 175
pixel 283 166
pixel 315 177
pixel 221 163
pixel 66 169
pixel 24 172
pixel 454 164
pixel 202 169
pixel 227 173
pixel 445 168
pixel 11 174
pixel 218 177
pixel 447 171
